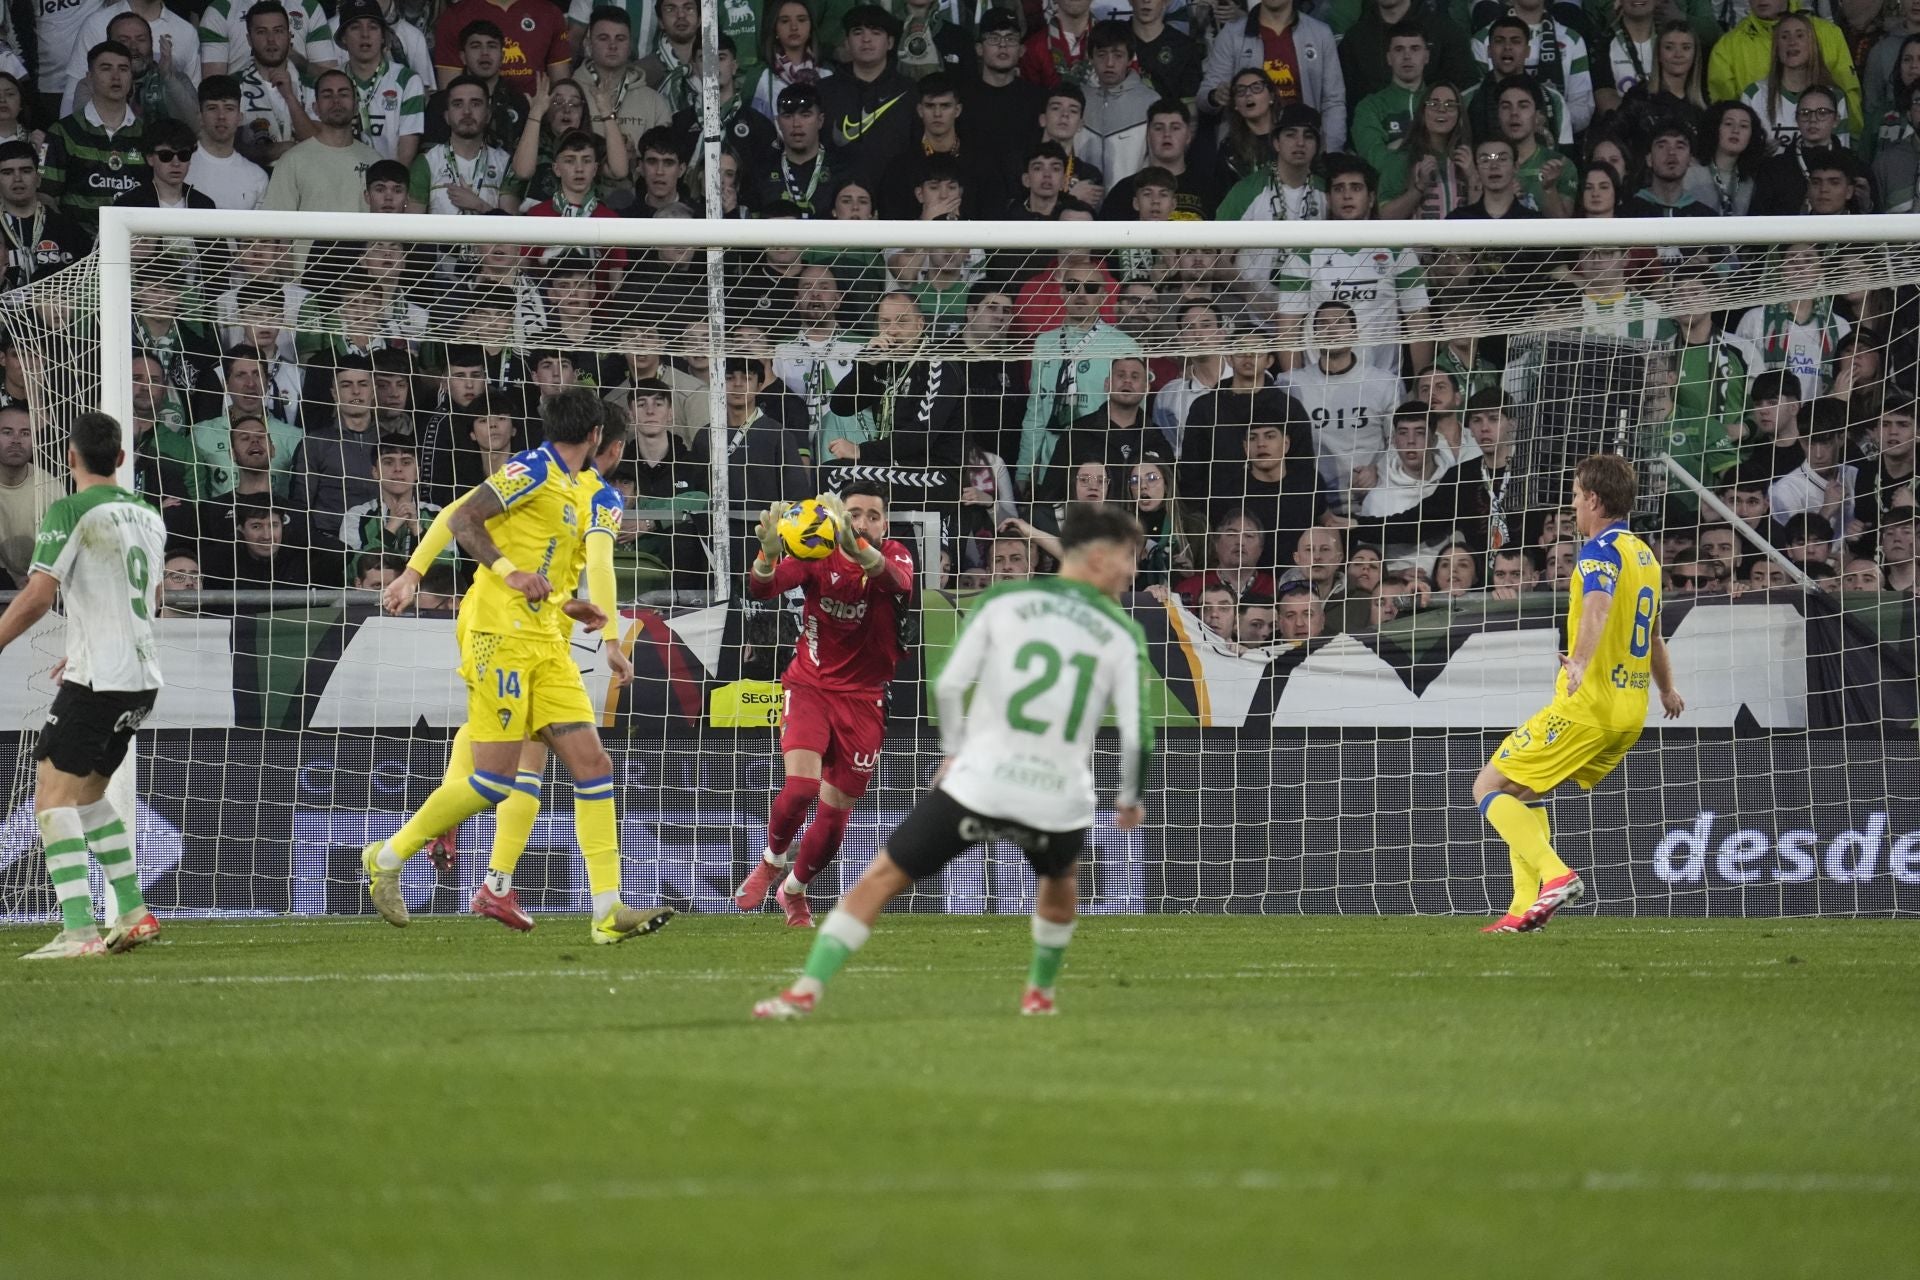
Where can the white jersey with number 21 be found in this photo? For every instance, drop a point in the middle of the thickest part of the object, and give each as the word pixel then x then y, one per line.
pixel 1048 658
pixel 106 547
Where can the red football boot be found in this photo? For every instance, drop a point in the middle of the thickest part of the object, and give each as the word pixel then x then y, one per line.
pixel 753 890
pixel 504 907
pixel 799 914
pixel 1554 894
pixel 132 931
pixel 443 849
pixel 786 1005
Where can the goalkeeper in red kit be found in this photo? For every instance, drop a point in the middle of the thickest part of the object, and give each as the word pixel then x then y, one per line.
pixel 835 711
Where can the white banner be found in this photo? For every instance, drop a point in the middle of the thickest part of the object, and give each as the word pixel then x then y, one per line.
pixel 1725 657
pixel 196 661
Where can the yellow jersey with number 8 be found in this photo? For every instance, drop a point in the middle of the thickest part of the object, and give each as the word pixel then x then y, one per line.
pixel 548 510
pixel 1614 693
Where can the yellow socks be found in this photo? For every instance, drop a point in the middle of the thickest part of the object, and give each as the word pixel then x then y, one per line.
pixel 451 804
pixel 1526 885
pixel 594 828
pixel 513 823
pixel 1528 834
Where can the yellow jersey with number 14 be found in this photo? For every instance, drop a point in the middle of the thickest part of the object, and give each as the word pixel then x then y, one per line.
pixel 1614 693
pixel 548 510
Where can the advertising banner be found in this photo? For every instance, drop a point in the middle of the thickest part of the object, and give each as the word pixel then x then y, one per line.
pixel 1478 664
pixel 1790 824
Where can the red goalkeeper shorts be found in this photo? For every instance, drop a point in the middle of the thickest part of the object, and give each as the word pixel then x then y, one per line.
pixel 846 729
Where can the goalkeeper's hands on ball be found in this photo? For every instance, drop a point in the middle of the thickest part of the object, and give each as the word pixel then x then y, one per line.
pixel 772 549
pixel 857 549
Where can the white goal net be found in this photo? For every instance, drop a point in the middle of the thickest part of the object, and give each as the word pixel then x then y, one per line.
pixel 1350 443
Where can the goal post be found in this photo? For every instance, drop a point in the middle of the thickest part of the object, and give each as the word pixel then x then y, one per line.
pixel 1323 697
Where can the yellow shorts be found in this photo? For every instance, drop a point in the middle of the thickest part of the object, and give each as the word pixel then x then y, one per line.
pixel 1549 749
pixel 516 687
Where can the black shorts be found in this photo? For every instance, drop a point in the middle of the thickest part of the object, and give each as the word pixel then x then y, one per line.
pixel 88 732
pixel 940 829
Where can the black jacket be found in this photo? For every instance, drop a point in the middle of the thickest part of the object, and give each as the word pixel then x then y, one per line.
pixel 918 407
pixel 1458 502
pixel 145 197
pixel 1094 438
pixel 746 131
pixel 1212 449
pixel 62 242
pixel 1001 122
pixel 868 123
pixel 1363 52
pixel 765 462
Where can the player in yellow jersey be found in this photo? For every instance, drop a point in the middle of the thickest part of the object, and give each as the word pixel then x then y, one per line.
pixel 527 528
pixel 1600 698
pixel 515 816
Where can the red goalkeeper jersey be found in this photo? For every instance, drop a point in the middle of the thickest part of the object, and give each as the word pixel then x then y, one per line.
pixel 850 626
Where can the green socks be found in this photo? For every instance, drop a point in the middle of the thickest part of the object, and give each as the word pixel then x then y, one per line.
pixel 840 936
pixel 1049 952
pixel 67 834
pixel 66 845
pixel 107 837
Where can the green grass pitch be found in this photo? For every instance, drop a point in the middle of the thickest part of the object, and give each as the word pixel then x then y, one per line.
pixel 1257 1097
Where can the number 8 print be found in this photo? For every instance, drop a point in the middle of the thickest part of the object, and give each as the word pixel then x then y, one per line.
pixel 1642 641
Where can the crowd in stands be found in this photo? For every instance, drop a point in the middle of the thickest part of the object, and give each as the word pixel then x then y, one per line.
pixel 1300 468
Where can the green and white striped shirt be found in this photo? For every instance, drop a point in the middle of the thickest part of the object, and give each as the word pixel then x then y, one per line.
pixel 105 547
pixel 393 105
pixel 1046 658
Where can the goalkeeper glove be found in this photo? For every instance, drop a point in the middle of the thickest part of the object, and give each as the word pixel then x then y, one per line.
pixel 856 548
pixel 772 549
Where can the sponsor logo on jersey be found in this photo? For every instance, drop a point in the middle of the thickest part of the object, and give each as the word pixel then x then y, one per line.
pixel 1625 679
pixel 844 610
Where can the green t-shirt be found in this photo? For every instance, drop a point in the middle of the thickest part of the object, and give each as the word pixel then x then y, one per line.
pixel 1709 396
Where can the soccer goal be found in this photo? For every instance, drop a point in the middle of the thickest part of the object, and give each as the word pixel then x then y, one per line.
pixel 1350 444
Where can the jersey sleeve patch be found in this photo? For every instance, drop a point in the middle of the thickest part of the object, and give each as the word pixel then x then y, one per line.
pixel 523 474
pixel 53 544
pixel 607 508
pixel 1599 566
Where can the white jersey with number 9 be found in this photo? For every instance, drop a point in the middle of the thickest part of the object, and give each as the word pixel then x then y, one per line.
pixel 106 547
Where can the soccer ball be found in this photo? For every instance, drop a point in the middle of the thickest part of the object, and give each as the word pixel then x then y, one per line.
pixel 808 530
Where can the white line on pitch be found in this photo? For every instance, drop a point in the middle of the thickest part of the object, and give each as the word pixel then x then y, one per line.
pixel 1247 973
pixel 1041 1182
